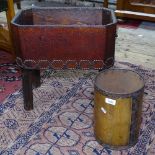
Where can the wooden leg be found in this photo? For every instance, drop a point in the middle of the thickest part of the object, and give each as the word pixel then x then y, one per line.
pixel 27 76
pixel 10 13
pixel 18 5
pixel 36 78
pixel 31 77
pixel 105 3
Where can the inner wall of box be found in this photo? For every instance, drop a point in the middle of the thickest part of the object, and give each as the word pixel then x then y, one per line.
pixel 64 17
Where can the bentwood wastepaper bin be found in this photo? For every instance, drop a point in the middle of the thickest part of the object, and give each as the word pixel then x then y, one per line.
pixel 118 106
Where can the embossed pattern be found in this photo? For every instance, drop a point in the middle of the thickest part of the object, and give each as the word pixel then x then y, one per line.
pixel 62 120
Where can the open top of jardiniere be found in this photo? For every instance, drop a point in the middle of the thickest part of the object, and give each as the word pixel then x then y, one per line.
pixel 65 16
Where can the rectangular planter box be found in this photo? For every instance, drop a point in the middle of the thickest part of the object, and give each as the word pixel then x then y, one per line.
pixel 65 33
pixel 76 37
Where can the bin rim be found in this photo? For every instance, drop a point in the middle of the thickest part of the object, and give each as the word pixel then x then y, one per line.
pixel 119 95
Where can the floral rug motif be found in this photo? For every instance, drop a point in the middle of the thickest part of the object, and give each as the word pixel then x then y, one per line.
pixel 62 120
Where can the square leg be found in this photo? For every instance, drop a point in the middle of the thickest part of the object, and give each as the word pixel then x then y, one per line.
pixel 30 77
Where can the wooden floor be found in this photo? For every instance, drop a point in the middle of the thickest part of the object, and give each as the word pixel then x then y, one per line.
pixel 132 45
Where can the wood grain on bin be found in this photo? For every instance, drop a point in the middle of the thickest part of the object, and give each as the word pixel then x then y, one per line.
pixel 113 127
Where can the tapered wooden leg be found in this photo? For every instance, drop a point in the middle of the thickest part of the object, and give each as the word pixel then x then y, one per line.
pixel 105 3
pixel 18 5
pixel 36 78
pixel 27 80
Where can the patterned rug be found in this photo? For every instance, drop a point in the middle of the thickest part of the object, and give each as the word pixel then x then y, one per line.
pixel 10 76
pixel 62 120
pixel 129 24
pixel 136 24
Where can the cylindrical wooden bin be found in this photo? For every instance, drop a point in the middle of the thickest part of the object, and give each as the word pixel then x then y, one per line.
pixel 118 106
